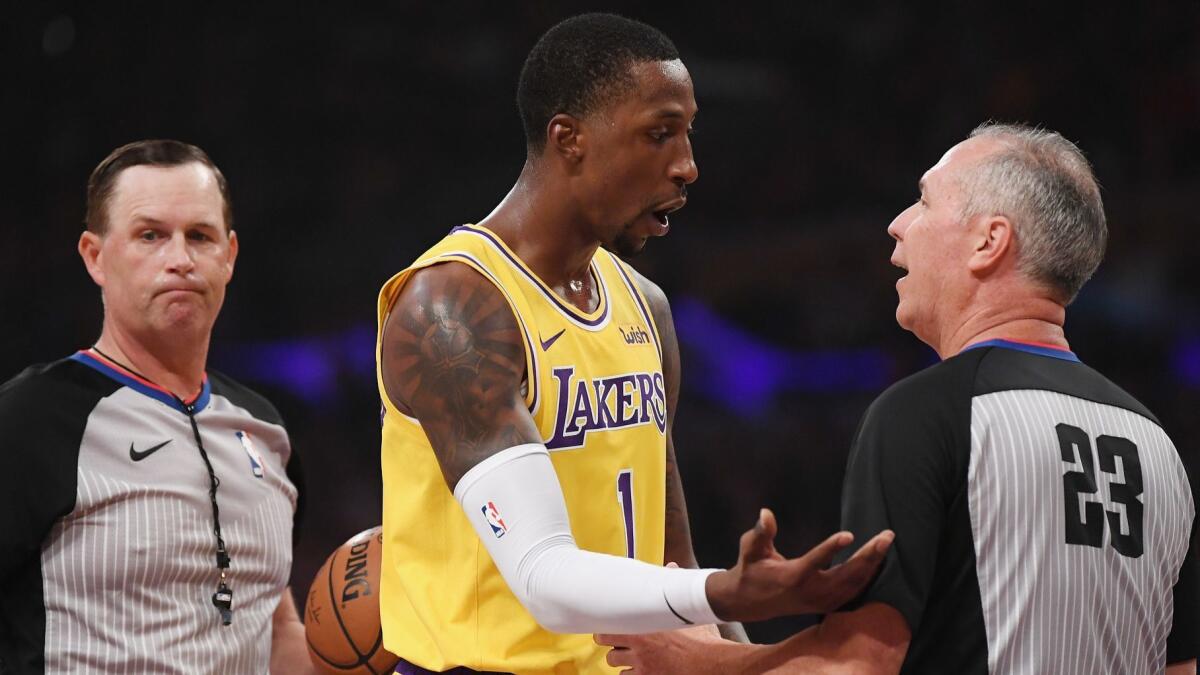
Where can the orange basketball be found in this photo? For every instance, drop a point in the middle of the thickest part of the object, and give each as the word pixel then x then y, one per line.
pixel 341 616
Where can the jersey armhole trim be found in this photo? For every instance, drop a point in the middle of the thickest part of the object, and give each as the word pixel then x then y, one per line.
pixel 639 300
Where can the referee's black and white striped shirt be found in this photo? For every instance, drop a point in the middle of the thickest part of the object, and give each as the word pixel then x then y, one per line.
pixel 108 558
pixel 1044 522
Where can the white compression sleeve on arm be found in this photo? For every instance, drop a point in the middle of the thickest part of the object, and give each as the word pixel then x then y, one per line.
pixel 515 502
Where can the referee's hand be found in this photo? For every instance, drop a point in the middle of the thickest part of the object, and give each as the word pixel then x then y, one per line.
pixel 764 584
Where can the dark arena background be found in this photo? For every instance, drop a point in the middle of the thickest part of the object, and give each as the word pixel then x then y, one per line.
pixel 354 135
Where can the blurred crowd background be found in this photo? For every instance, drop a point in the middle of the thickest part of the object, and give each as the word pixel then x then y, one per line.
pixel 355 135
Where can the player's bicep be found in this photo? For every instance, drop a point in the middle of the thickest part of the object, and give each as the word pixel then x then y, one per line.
pixel 452 357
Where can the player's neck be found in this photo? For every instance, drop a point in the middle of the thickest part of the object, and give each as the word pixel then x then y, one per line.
pixel 175 364
pixel 543 229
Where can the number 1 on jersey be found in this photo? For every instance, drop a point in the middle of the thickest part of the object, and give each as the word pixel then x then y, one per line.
pixel 625 501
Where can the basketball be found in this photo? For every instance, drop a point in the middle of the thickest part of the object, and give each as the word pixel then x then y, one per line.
pixel 341 615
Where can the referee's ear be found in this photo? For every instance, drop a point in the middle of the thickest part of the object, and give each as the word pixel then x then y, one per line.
pixel 232 257
pixel 90 249
pixel 994 238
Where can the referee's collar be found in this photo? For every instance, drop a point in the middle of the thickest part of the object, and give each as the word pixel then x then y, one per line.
pixel 1029 347
pixel 114 371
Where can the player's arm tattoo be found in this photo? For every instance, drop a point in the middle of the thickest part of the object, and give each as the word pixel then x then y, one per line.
pixel 452 357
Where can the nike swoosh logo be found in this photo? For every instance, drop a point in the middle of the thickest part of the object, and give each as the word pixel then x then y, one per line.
pixel 553 338
pixel 139 456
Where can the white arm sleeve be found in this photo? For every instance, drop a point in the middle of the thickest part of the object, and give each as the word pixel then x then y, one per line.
pixel 514 501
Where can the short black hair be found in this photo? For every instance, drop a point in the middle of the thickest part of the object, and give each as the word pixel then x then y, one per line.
pixel 580 64
pixel 162 152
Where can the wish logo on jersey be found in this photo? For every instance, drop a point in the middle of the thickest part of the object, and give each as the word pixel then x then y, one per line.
pixel 605 403
pixel 494 520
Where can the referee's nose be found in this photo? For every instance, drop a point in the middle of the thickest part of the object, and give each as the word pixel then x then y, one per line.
pixel 900 223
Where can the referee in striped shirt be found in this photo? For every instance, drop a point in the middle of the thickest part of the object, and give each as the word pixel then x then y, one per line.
pixel 146 504
pixel 1044 521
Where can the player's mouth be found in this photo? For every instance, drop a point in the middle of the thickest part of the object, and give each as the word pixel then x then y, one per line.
pixel 662 215
pixel 902 266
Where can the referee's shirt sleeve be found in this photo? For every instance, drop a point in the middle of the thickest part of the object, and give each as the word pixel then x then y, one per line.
pixel 40 428
pixel 899 476
pixel 1183 643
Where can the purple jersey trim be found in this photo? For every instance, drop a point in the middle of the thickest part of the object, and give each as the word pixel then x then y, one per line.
pixel 405 667
pixel 572 312
pixel 637 298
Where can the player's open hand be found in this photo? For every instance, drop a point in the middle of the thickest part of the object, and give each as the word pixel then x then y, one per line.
pixel 764 584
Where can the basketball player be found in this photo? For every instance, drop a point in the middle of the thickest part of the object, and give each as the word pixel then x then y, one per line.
pixel 145 505
pixel 1043 518
pixel 529 379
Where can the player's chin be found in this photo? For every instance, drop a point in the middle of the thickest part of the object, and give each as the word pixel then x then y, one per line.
pixel 628 245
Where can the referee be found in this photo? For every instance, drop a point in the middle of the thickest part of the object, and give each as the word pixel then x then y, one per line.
pixel 146 506
pixel 1044 522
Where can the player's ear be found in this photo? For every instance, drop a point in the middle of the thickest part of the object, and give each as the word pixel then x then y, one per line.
pixel 995 241
pixel 564 137
pixel 90 245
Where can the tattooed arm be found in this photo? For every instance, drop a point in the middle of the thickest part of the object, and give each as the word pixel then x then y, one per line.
pixel 678 547
pixel 452 358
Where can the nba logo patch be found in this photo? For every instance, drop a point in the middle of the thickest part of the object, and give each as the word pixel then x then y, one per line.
pixel 494 520
pixel 256 462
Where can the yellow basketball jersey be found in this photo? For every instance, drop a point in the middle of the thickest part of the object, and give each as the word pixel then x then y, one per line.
pixel 596 393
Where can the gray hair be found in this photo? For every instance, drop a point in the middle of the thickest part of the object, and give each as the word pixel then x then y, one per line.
pixel 1044 184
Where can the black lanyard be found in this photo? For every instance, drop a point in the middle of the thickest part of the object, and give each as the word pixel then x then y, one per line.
pixel 223 598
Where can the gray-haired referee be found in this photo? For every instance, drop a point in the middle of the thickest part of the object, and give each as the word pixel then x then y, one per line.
pixel 146 506
pixel 1044 522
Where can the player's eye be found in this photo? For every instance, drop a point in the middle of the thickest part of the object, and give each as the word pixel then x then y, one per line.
pixel 198 235
pixel 660 135
pixel 148 235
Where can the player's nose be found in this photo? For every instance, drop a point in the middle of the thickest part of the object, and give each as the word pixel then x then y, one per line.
pixel 684 169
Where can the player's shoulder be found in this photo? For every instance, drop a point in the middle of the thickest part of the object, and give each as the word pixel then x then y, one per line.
pixel 447 279
pixel 244 397
pixel 65 385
